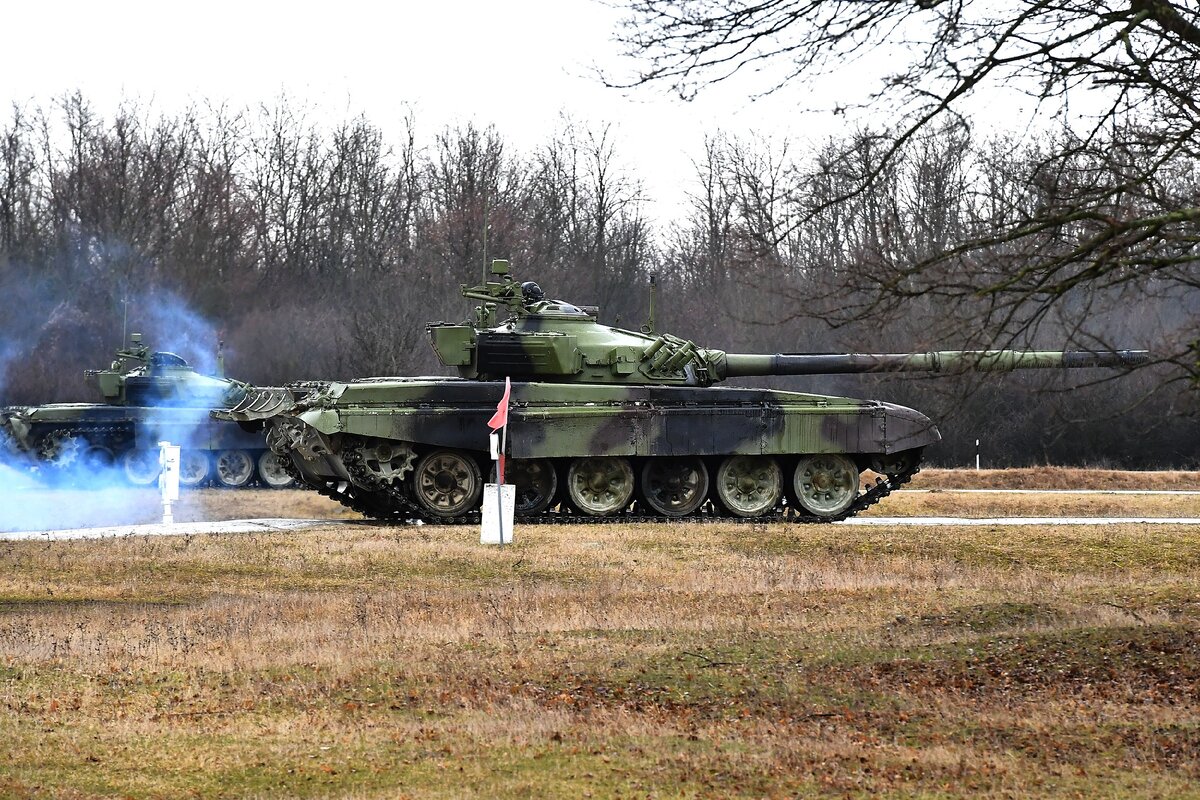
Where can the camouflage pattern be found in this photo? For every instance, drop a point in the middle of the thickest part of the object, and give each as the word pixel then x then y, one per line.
pixel 604 420
pixel 149 396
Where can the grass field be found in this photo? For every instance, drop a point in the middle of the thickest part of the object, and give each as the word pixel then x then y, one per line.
pixel 673 660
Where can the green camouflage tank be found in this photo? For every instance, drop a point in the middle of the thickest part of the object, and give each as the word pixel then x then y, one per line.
pixel 608 422
pixel 149 396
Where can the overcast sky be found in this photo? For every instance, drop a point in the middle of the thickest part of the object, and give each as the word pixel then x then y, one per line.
pixel 518 65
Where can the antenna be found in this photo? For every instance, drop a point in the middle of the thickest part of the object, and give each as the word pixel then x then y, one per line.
pixel 485 232
pixel 649 326
pixel 125 322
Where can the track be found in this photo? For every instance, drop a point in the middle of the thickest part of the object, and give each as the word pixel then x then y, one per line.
pixel 396 509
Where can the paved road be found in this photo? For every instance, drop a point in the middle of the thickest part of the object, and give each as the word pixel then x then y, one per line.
pixel 1052 491
pixel 282 525
pixel 177 529
pixel 921 522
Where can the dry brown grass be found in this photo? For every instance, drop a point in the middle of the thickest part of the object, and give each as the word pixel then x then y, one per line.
pixel 661 660
pixel 209 505
pixel 938 503
pixel 1055 478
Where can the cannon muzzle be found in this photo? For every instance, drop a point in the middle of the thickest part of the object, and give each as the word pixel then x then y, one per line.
pixel 737 365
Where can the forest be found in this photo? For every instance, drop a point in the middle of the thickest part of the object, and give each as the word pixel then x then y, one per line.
pixel 318 250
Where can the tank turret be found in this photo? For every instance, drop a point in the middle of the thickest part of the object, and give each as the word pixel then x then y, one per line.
pixel 141 377
pixel 550 340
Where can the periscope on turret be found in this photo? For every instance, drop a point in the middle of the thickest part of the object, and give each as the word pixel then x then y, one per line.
pixel 608 422
pixel 148 396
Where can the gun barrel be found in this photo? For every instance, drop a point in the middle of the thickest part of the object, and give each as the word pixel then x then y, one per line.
pixel 744 365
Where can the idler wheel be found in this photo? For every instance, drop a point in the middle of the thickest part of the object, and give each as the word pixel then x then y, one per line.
pixel 235 468
pixel 194 467
pixel 674 487
pixel 600 486
pixel 825 484
pixel 749 486
pixel 535 481
pixel 447 483
pixel 893 463
pixel 271 471
pixel 140 466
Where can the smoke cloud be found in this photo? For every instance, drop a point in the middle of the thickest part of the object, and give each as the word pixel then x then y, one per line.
pixel 168 323
pixel 81 485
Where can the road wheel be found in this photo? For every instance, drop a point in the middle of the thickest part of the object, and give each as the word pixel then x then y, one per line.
pixel 825 484
pixel 140 466
pixel 600 486
pixel 749 486
pixel 447 483
pixel 535 481
pixel 194 468
pixel 96 458
pixel 234 468
pixel 271 471
pixel 675 487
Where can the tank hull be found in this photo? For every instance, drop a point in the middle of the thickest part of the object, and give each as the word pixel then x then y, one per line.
pixel 149 397
pixel 327 434
pixel 64 440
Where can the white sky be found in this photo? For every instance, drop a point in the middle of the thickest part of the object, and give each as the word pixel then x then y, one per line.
pixel 517 64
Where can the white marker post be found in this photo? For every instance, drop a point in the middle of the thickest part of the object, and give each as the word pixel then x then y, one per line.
pixel 499 500
pixel 168 478
pixel 976 454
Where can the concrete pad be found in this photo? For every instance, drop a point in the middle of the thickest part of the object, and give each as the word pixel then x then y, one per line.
pixel 286 525
pixel 176 529
pixel 914 522
pixel 1052 491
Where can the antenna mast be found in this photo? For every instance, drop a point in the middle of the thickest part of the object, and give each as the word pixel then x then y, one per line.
pixel 649 326
pixel 485 232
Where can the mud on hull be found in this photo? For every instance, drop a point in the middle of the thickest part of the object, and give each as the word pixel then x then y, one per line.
pixel 399 448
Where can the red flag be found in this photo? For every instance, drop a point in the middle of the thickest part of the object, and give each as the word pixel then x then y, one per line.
pixel 500 418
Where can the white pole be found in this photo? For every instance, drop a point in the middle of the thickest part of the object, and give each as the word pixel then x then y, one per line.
pixel 976 454
pixel 498 441
pixel 500 477
pixel 168 478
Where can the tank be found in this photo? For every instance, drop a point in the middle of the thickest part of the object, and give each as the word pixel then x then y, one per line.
pixel 148 396
pixel 608 422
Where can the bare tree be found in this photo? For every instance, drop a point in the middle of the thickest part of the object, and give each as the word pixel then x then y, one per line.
pixel 473 184
pixel 1116 206
pixel 587 233
pixel 287 183
pixel 20 223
